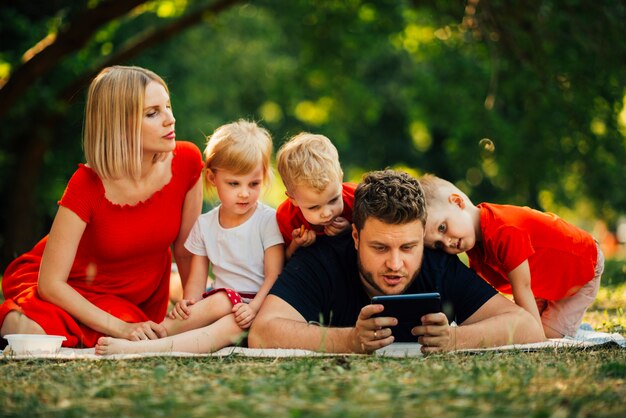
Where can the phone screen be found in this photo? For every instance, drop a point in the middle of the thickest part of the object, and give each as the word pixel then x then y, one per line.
pixel 408 309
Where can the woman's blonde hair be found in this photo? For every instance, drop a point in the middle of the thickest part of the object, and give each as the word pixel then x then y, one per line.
pixel 239 147
pixel 113 120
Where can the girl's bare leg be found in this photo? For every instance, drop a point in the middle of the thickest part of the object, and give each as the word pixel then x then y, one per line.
pixel 203 313
pixel 16 322
pixel 221 333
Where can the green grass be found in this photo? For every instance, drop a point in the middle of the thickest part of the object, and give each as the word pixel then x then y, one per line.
pixel 549 383
pixel 542 384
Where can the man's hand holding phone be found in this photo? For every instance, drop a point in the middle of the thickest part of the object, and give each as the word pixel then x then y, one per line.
pixel 435 334
pixel 372 333
pixel 410 310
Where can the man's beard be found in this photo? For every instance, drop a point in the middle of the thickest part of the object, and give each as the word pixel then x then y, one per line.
pixel 369 278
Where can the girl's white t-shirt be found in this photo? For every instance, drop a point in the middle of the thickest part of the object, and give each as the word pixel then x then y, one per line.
pixel 236 254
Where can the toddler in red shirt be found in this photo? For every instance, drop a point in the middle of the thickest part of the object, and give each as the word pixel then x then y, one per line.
pixel 317 203
pixel 551 267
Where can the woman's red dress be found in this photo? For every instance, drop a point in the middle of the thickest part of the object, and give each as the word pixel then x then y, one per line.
pixel 123 261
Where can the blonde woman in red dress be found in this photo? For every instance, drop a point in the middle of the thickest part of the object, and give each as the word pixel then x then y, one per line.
pixel 104 268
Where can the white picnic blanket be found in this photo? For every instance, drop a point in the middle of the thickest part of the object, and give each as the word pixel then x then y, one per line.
pixel 584 338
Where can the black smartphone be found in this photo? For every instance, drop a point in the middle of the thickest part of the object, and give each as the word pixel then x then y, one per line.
pixel 408 309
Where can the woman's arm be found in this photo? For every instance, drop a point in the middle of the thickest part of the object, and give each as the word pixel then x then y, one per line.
pixel 195 287
pixel 192 206
pixel 196 284
pixel 58 257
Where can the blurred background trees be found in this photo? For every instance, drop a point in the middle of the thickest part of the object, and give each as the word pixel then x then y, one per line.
pixel 516 102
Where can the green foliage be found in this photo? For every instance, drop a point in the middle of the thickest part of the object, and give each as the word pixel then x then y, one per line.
pixel 614 272
pixel 515 102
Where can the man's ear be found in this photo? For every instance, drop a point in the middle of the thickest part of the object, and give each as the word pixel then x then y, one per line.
pixel 355 237
pixel 457 200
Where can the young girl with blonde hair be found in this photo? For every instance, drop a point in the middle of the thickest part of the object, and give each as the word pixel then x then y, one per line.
pixel 239 239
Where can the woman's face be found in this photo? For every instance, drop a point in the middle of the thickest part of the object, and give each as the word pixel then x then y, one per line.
pixel 157 128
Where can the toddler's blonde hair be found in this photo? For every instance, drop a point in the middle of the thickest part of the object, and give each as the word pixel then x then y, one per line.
pixel 308 160
pixel 436 190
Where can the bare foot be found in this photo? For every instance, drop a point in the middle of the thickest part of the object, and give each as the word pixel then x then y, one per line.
pixel 110 345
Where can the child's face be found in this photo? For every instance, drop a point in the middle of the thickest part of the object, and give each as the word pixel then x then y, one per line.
pixel 238 193
pixel 319 208
pixel 450 228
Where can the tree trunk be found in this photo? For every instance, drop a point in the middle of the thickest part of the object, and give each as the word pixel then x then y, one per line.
pixel 21 226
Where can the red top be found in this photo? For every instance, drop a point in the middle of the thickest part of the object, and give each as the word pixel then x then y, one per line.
pixel 290 217
pixel 562 257
pixel 123 260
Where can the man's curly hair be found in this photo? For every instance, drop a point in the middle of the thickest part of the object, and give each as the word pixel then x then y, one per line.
pixel 393 197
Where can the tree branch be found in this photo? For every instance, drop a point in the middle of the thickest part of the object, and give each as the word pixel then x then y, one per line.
pixel 31 145
pixel 145 40
pixel 70 39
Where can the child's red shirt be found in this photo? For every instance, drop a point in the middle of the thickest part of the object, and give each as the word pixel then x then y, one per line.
pixel 561 257
pixel 290 217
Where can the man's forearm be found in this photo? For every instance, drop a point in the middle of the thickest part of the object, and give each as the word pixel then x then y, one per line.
pixel 287 333
pixel 517 327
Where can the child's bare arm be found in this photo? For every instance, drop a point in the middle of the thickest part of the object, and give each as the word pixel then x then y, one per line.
pixel 522 292
pixel 274 259
pixel 273 265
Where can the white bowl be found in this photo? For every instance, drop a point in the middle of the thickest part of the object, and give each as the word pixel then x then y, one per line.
pixel 35 343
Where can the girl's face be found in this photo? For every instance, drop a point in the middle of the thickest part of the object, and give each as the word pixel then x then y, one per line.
pixel 157 128
pixel 238 193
